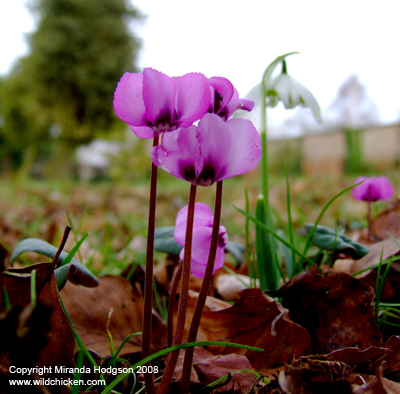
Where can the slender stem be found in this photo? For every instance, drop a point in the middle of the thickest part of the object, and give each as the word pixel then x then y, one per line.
pixel 263 136
pixel 57 255
pixel 171 305
pixel 60 248
pixel 369 220
pixel 194 326
pixel 148 282
pixel 180 323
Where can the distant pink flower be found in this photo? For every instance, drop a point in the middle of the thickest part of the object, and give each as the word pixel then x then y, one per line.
pixel 372 189
pixel 225 98
pixel 210 152
pixel 202 229
pixel 152 103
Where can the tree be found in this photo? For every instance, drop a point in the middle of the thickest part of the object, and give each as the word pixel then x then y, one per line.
pixel 353 108
pixel 78 53
pixel 24 129
pixel 80 50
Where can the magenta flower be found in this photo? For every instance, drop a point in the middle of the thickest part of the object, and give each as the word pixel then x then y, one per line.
pixel 152 103
pixel 372 189
pixel 202 229
pixel 212 151
pixel 225 98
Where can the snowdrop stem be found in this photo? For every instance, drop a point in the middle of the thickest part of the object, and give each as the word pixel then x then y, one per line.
pixel 194 326
pixel 148 285
pixel 263 136
pixel 180 323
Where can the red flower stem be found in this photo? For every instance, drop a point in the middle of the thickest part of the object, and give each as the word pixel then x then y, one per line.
pixel 180 322
pixel 205 287
pixel 171 305
pixel 369 220
pixel 148 281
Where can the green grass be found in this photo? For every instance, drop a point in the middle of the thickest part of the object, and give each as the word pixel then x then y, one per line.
pixel 116 213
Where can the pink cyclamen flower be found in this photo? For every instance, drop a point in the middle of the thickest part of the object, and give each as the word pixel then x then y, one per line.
pixel 210 152
pixel 372 189
pixel 202 230
pixel 225 98
pixel 152 103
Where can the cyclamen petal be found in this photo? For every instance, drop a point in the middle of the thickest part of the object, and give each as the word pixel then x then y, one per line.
pixel 128 99
pixel 203 217
pixel 192 100
pixel 152 103
pixel 213 151
pixel 225 98
pixel 372 189
pixel 202 231
pixel 159 93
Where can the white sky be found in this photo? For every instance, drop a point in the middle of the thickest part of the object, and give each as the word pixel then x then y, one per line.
pixel 238 39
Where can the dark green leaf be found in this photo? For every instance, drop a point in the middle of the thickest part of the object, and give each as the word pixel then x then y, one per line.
pixel 76 273
pixel 38 246
pixel 329 239
pixel 164 240
pixel 236 249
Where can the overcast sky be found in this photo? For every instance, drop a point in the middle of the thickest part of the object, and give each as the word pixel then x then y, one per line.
pixel 238 39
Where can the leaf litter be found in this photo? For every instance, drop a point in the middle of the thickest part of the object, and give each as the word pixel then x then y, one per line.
pixel 321 337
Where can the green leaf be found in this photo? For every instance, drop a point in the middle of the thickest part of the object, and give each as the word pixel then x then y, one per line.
pixel 71 270
pixel 327 205
pixel 76 273
pixel 329 239
pixel 267 261
pixel 236 249
pixel 164 240
pixel 38 246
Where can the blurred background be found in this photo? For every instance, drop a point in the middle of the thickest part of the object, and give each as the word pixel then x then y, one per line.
pixel 61 60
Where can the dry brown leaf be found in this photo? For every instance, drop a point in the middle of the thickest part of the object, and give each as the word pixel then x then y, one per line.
pixel 363 360
pixel 89 309
pixel 377 385
pixel 322 374
pixel 387 222
pixel 335 308
pixel 316 374
pixel 207 368
pixel 37 336
pixel 255 320
pixel 386 249
pixel 391 358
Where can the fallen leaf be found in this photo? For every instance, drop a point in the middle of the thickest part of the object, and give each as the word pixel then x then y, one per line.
pixel 89 309
pixel 364 361
pixel 316 374
pixel 391 359
pixel 335 308
pixel 384 249
pixel 207 368
pixel 229 286
pixel 387 222
pixel 42 335
pixel 255 320
pixel 377 385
